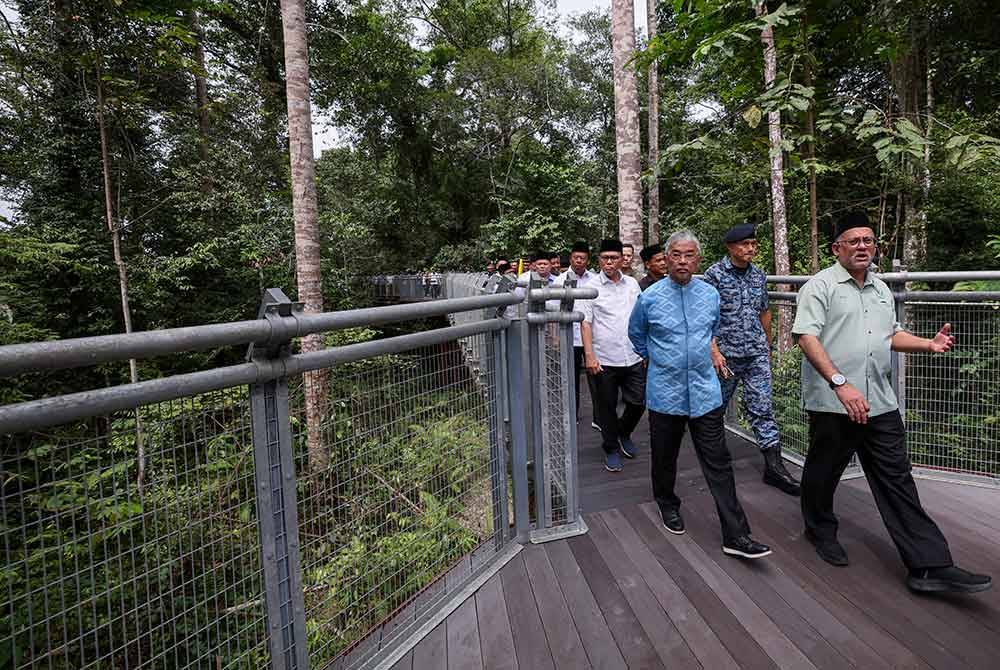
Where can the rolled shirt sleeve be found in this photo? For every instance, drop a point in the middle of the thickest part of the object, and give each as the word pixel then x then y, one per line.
pixel 810 309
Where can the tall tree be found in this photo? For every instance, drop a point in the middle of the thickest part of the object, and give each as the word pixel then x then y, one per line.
pixel 779 222
pixel 627 141
pixel 653 135
pixel 307 240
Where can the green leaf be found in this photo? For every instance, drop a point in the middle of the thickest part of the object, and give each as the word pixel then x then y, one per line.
pixel 752 116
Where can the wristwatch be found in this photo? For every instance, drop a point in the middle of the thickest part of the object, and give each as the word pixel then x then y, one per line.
pixel 837 380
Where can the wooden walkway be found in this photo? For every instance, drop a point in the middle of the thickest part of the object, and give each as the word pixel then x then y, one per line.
pixel 630 595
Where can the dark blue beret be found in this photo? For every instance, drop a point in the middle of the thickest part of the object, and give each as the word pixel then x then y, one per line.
pixel 744 231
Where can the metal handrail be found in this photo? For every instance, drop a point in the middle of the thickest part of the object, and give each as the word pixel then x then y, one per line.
pixel 78 352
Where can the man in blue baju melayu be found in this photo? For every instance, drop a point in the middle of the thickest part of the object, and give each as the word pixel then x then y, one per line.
pixel 671 327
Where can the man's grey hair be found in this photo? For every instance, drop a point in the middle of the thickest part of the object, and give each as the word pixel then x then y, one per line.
pixel 684 235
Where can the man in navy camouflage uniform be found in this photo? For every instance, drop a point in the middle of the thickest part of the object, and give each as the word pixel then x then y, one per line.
pixel 742 350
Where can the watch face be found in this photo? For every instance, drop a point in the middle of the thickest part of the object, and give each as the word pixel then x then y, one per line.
pixel 838 380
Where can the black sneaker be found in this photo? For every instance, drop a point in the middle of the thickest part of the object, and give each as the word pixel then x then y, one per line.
pixel 830 551
pixel 947 580
pixel 673 521
pixel 746 547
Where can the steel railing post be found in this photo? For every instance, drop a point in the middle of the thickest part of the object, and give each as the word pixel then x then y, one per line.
pixel 898 359
pixel 569 402
pixel 519 407
pixel 536 390
pixel 277 516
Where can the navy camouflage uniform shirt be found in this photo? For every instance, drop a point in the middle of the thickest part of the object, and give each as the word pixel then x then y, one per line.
pixel 743 296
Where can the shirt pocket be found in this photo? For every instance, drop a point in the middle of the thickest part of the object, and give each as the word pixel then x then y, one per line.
pixel 730 299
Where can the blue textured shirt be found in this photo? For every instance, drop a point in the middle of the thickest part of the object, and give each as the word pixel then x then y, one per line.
pixel 672 326
pixel 743 297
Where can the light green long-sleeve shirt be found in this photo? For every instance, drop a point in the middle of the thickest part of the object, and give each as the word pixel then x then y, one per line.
pixel 855 325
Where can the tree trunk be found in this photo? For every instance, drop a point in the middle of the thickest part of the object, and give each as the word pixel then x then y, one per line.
pixel 307 241
pixel 201 101
pixel 113 230
pixel 908 78
pixel 627 143
pixel 807 76
pixel 653 231
pixel 778 218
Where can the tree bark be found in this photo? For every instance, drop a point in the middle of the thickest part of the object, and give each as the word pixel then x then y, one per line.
pixel 307 239
pixel 807 76
pixel 653 197
pixel 113 230
pixel 778 217
pixel 908 78
pixel 627 143
pixel 201 101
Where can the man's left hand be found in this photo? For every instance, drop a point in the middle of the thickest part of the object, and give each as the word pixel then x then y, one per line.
pixel 943 341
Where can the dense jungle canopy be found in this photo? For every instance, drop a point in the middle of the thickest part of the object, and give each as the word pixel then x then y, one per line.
pixel 458 130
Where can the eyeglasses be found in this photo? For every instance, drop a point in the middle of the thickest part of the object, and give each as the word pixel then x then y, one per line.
pixel 858 241
pixel 609 258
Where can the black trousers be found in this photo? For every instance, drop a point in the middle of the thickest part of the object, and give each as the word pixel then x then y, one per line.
pixel 630 381
pixel 881 448
pixel 708 435
pixel 579 369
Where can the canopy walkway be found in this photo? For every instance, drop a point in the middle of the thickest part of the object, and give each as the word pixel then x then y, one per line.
pixel 447 511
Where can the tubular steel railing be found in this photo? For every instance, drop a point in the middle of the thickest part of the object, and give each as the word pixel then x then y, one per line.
pixel 950 402
pixel 212 520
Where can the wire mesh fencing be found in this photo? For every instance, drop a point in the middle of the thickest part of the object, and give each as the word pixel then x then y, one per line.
pixel 952 401
pixel 557 488
pixel 405 484
pixel 102 570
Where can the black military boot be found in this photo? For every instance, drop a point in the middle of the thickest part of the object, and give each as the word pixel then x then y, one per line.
pixel 775 473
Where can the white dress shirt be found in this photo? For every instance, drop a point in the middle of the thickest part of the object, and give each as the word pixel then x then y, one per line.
pixel 586 278
pixel 608 316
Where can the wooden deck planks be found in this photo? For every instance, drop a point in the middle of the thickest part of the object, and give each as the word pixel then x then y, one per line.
pixel 462 630
pixel 668 642
pixel 823 639
pixel 731 633
pixel 770 638
pixel 628 633
pixel 564 640
pixel 431 653
pixel 495 634
pixel 598 642
pixel 886 597
pixel 530 642
pixel 700 637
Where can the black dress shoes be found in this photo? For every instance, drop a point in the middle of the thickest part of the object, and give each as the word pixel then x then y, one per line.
pixel 830 551
pixel 746 547
pixel 673 521
pixel 947 580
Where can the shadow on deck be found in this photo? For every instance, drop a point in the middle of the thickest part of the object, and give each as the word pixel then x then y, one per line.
pixel 630 595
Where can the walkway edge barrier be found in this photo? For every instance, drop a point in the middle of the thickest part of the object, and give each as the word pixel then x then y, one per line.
pixel 18 359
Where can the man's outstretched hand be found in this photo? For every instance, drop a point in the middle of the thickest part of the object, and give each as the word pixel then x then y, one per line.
pixel 943 341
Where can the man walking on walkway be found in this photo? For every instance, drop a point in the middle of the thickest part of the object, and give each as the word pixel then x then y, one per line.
pixel 579 258
pixel 656 265
pixel 845 325
pixel 609 357
pixel 742 350
pixel 672 327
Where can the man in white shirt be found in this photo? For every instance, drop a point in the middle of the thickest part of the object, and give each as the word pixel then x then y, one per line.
pixel 579 258
pixel 609 356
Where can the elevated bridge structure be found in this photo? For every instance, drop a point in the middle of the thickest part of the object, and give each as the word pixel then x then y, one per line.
pixel 431 500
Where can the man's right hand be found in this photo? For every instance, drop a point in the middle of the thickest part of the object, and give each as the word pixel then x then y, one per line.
pixel 719 363
pixel 854 402
pixel 591 363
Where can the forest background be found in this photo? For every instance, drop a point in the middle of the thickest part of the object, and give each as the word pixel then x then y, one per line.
pixel 467 129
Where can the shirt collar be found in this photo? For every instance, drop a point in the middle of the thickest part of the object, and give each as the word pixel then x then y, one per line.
pixel 842 275
pixel 605 279
pixel 727 263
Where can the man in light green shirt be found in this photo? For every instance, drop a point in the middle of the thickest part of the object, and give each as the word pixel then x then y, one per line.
pixel 845 325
